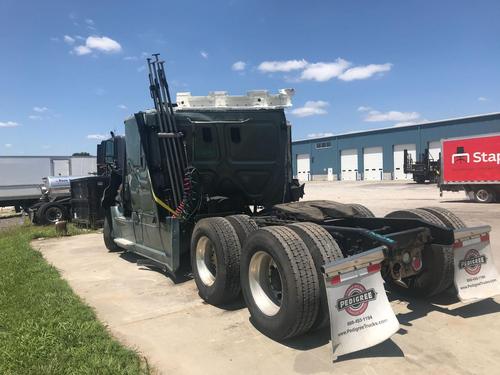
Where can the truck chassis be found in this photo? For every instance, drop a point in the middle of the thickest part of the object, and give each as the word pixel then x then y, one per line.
pixel 188 185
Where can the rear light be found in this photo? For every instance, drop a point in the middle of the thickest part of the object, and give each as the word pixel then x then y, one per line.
pixel 337 279
pixel 482 238
pixel 416 264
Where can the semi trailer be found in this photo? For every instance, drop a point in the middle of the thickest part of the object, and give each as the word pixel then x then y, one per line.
pixel 21 176
pixel 472 164
pixel 211 176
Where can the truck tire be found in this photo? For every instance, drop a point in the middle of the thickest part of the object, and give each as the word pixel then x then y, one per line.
pixel 361 211
pixel 50 212
pixel 279 282
pixel 215 260
pixel 107 234
pixel 243 225
pixel 437 264
pixel 323 249
pixel 416 213
pixel 449 219
pixel 484 195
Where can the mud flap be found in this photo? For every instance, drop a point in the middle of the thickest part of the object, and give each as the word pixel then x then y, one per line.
pixel 476 276
pixel 360 313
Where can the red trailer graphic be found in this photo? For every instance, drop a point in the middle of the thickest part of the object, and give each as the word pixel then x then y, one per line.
pixel 474 163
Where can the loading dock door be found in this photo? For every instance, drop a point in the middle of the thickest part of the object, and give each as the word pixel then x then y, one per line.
pixel 349 164
pixel 303 167
pixel 434 149
pixel 61 167
pixel 373 160
pixel 399 173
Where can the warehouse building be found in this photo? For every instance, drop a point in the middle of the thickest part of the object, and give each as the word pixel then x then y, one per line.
pixel 378 154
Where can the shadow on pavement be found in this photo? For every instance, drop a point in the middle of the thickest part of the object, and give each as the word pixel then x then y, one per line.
pixel 388 348
pixel 421 307
pixel 182 275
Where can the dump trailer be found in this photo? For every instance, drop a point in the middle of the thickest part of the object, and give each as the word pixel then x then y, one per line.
pixel 424 169
pixel 211 177
pixel 472 164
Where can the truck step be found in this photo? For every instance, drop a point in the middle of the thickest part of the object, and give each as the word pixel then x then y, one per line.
pixel 124 243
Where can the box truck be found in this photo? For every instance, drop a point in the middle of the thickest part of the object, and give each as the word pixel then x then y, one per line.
pixel 472 164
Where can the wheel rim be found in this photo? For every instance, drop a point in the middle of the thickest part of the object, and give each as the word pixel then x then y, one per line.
pixel 206 261
pixel 53 214
pixel 482 195
pixel 265 283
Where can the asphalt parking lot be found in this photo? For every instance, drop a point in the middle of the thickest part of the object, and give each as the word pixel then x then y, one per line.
pixel 169 324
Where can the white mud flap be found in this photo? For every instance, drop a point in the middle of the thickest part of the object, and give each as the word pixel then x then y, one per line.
pixel 360 313
pixel 476 276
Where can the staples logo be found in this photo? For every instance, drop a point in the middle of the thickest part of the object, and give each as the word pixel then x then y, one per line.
pixel 462 158
pixel 477 157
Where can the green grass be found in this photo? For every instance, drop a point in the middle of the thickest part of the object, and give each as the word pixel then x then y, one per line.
pixel 44 327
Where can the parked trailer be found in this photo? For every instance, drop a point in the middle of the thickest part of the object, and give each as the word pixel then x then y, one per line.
pixel 21 176
pixel 472 164
pixel 300 265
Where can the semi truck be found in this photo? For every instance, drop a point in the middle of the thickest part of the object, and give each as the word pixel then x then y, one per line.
pixel 424 169
pixel 21 176
pixel 211 176
pixel 76 198
pixel 472 164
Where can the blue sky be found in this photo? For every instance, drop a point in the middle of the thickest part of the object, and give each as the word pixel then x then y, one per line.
pixel 71 71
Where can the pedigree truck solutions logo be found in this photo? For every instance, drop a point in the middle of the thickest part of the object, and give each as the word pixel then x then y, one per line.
pixel 472 262
pixel 356 299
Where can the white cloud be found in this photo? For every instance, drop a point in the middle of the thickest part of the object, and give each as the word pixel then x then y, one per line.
pixel 8 145
pixel 319 135
pixel 281 66
pixel 363 108
pixel 130 58
pixel 89 21
pixel 238 66
pixel 122 106
pixel 204 54
pixel 69 39
pixel 98 137
pixel 103 44
pixel 322 72
pixel 40 109
pixel 34 117
pixel 54 39
pixel 482 99
pixel 311 108
pixel 407 123
pixel 377 116
pixel 82 50
pixel 363 72
pixel 8 124
pixel 100 44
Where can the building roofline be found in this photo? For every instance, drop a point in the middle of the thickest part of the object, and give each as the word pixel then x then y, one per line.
pixel 405 127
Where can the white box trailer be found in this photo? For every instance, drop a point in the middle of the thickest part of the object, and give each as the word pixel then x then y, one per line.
pixel 21 176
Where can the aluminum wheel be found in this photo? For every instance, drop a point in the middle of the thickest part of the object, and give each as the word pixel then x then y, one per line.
pixel 206 260
pixel 483 195
pixel 265 283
